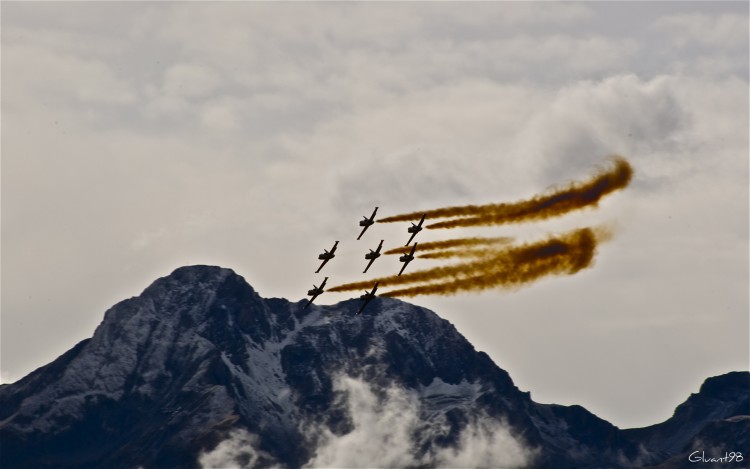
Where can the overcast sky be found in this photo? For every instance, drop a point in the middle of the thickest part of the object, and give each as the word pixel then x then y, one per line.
pixel 140 137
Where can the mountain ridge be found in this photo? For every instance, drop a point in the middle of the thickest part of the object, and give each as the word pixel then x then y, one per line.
pixel 170 373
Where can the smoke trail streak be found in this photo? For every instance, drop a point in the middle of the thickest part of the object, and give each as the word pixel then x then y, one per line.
pixel 573 197
pixel 450 253
pixel 501 260
pixel 603 233
pixel 435 273
pixel 451 243
pixel 528 266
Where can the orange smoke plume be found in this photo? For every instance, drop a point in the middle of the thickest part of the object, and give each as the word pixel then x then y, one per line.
pixel 573 197
pixel 452 243
pixel 497 262
pixel 466 253
pixel 527 265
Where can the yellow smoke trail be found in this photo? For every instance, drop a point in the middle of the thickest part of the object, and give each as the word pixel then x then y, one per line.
pixel 450 253
pixel 500 260
pixel 466 268
pixel 573 197
pixel 451 243
pixel 528 265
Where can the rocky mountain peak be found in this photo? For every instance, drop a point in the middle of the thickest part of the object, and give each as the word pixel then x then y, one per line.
pixel 169 374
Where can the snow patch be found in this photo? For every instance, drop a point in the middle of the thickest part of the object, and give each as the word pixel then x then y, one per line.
pixel 440 396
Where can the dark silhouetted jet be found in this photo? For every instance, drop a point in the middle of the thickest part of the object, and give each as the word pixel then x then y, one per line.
pixel 367 222
pixel 327 256
pixel 367 297
pixel 406 258
pixel 315 292
pixel 414 229
pixel 372 255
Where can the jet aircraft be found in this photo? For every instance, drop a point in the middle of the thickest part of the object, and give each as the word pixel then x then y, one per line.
pixel 372 255
pixel 406 258
pixel 367 222
pixel 327 256
pixel 367 297
pixel 414 229
pixel 315 292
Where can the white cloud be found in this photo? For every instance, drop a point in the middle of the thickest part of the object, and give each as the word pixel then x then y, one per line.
pixel 467 142
pixel 247 33
pixel 63 41
pixel 727 30
pixel 384 435
pixel 389 47
pixel 78 81
pixel 522 14
pixel 189 80
pixel 238 451
pixel 587 121
pixel 484 443
pixel 220 115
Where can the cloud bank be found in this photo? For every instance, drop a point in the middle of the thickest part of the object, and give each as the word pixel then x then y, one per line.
pixel 385 424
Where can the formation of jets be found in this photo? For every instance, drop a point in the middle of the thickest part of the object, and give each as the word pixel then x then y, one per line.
pixel 327 255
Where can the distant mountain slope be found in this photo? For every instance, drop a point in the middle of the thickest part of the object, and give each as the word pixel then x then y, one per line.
pixel 712 422
pixel 200 357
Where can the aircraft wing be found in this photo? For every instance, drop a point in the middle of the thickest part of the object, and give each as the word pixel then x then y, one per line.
pixel 324 263
pixel 366 302
pixel 363 231
pixel 411 238
pixel 409 258
pixel 369 264
pixel 367 297
pixel 309 302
